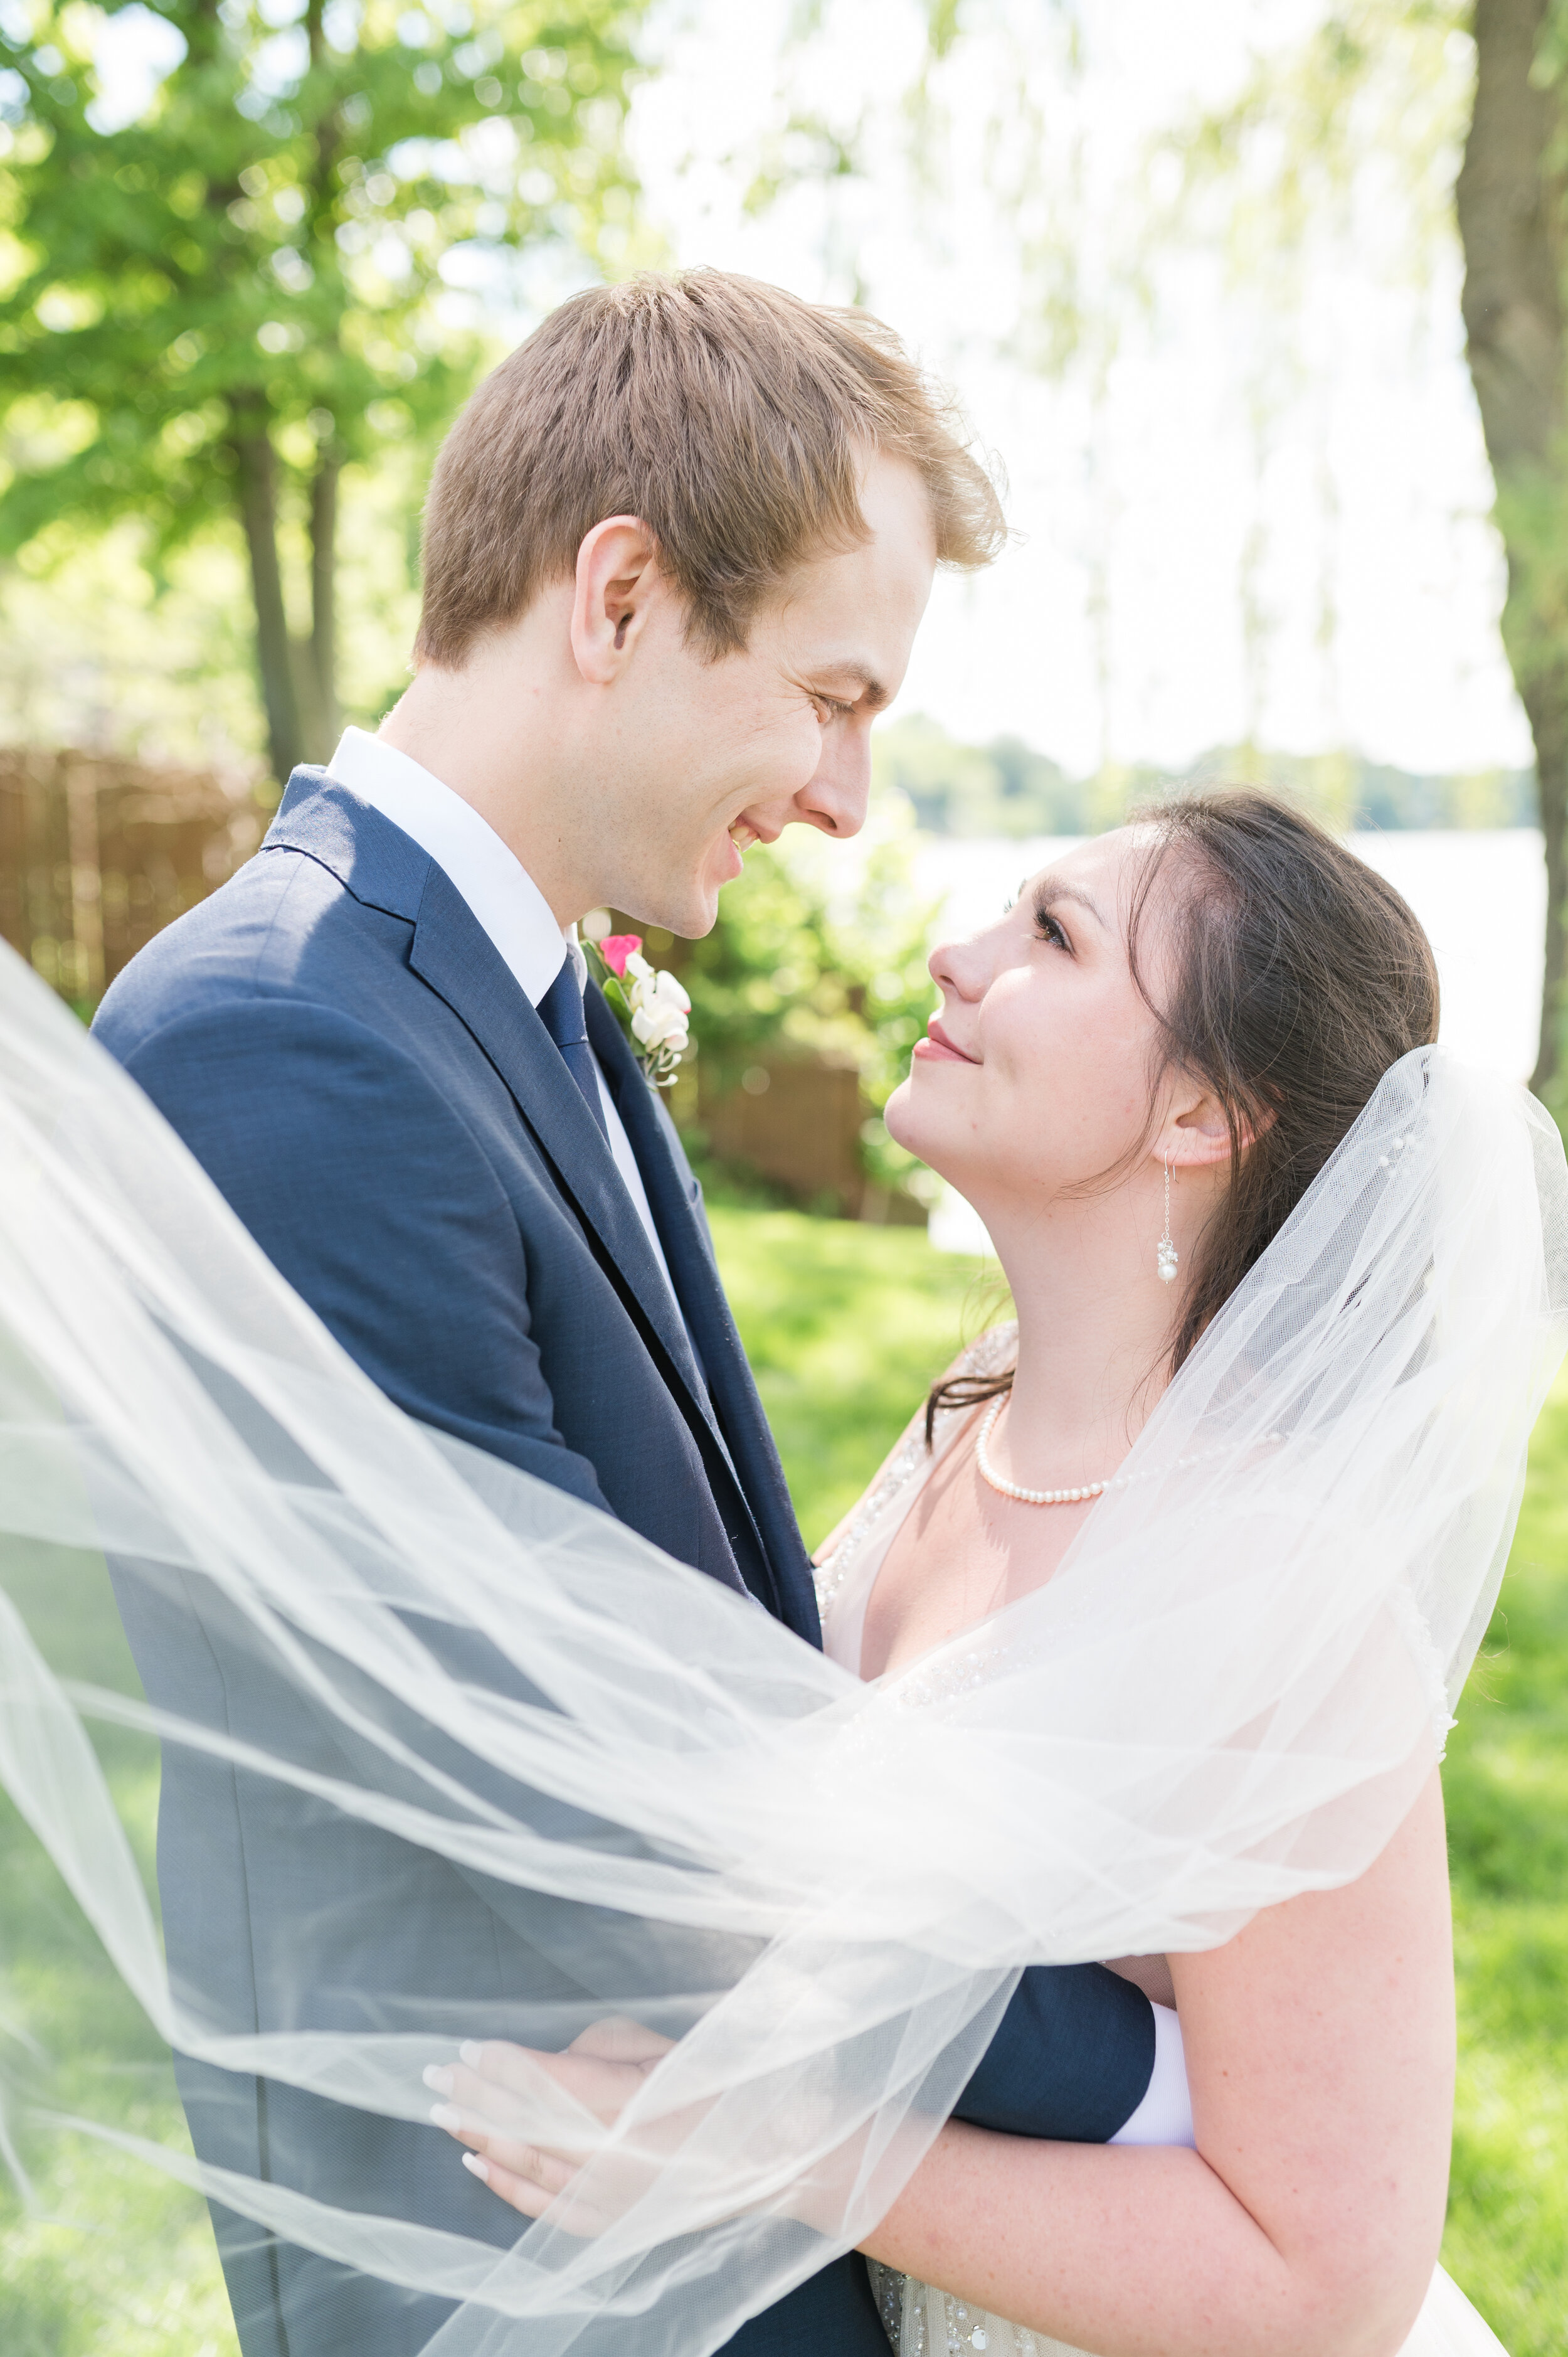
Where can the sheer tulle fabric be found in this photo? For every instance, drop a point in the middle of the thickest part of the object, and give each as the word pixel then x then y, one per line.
pixel 1230 1693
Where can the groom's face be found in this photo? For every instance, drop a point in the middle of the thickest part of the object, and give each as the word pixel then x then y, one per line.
pixel 712 757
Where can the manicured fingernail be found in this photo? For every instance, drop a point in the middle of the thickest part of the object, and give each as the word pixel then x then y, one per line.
pixel 444 2116
pixel 472 2052
pixel 480 2167
pixel 438 2077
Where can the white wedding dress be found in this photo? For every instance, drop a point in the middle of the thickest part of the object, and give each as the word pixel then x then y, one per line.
pixel 920 2321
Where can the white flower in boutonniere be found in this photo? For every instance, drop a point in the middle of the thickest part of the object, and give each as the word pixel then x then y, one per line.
pixel 652 1002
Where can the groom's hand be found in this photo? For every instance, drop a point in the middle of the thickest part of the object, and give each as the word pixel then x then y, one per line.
pixel 492 2092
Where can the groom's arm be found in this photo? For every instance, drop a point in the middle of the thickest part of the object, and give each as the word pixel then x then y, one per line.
pixel 1072 2059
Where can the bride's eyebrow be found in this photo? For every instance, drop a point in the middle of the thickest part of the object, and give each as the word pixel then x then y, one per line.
pixel 1049 890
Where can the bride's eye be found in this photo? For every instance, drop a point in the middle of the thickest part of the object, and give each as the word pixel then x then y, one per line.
pixel 1050 930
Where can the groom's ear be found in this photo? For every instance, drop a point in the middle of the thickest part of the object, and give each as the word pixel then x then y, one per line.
pixel 618 566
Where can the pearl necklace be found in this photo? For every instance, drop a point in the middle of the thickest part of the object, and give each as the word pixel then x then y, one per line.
pixel 1015 1489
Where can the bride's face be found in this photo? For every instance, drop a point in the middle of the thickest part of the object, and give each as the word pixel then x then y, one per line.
pixel 1034 1078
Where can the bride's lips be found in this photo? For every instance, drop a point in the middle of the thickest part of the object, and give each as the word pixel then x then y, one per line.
pixel 936 1047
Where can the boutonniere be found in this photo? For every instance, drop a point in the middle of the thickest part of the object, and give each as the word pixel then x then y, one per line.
pixel 650 1002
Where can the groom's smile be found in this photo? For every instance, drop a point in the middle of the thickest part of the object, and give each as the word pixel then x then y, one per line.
pixel 783 725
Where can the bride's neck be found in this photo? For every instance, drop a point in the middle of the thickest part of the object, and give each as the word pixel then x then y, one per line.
pixel 1095 1328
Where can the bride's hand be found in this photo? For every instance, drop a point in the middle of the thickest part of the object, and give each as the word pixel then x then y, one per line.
pixel 493 2094
pixel 490 2093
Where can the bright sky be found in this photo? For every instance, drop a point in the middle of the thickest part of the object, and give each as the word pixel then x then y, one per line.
pixel 1374 487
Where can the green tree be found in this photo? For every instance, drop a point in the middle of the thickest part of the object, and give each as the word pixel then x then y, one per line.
pixel 1511 204
pixel 1374 85
pixel 208 312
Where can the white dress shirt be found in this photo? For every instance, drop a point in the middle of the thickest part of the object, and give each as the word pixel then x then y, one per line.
pixel 1165 2115
pixel 498 889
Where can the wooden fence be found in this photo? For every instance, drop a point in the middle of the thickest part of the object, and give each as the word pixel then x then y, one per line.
pixel 97 854
pixel 796 1121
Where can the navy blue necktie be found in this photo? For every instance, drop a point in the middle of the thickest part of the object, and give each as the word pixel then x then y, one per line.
pixel 561 1012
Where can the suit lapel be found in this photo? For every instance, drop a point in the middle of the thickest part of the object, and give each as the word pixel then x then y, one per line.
pixel 454 955
pixel 696 1277
pixel 760 1475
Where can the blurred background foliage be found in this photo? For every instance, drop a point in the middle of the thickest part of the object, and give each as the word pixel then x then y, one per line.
pixel 1006 788
pixel 214 309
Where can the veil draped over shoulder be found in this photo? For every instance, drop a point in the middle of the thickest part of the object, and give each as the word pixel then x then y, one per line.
pixel 1230 1693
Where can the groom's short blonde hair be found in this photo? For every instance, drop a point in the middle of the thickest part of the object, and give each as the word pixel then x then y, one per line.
pixel 732 418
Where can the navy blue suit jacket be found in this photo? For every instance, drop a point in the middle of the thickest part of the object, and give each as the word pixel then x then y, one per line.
pixel 342 1047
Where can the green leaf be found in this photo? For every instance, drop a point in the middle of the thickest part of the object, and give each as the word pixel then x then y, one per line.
pixel 276 251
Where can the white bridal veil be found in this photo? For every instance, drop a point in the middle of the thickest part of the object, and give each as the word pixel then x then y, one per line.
pixel 1230 1693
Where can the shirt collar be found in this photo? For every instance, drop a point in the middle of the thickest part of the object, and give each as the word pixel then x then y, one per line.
pixel 498 888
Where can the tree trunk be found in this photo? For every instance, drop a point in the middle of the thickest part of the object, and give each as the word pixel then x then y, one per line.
pixel 326 713
pixel 1510 204
pixel 324 596
pixel 275 657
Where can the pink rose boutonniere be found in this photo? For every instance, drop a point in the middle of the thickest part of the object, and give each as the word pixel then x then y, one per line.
pixel 650 1002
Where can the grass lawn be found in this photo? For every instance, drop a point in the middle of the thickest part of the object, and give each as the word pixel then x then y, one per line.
pixel 846 1326
pixel 111 2259
pixel 1507 1788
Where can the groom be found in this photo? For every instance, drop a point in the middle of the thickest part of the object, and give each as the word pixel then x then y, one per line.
pixel 677 548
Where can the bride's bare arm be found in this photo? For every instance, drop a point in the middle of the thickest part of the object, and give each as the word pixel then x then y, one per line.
pixel 1320 2049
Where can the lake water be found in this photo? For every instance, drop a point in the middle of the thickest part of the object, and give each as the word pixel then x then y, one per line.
pixel 1481 897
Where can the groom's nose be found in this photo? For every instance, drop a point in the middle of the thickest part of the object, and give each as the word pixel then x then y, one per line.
pixel 836 798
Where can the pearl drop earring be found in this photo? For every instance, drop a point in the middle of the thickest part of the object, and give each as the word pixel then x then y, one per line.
pixel 1166 1254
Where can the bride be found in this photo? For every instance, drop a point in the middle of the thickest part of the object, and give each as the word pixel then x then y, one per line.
pixel 1143 1646
pixel 1134 1076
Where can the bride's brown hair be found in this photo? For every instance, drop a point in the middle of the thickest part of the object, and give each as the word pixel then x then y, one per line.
pixel 1299 975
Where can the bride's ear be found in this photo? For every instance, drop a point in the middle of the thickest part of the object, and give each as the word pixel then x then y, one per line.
pixel 1194 1133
